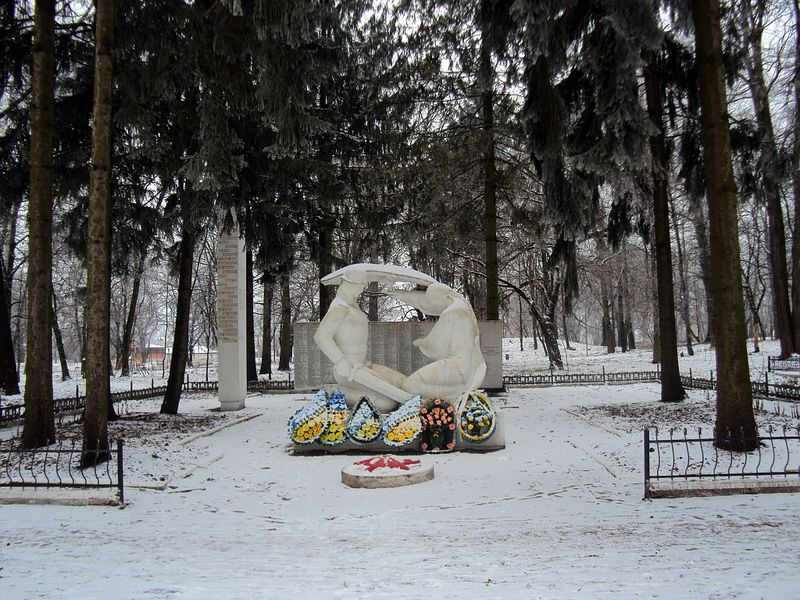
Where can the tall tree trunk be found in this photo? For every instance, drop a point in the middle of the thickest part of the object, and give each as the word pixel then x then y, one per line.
pixel 11 251
pixel 79 318
pixel 62 356
pixel 486 82
pixel 671 386
pixel 98 250
pixel 9 381
pixel 622 333
pixel 701 235
pixel 770 184
pixel 39 428
pixel 687 323
pixel 266 329
pixel 286 325
pixel 626 292
pixel 795 168
pixel 563 325
pixel 325 266
pixel 550 331
pixel 521 322
pixel 549 337
pixel 607 327
pixel 543 310
pixel 127 334
pixel 252 373
pixel 735 422
pixel 650 260
pixel 180 340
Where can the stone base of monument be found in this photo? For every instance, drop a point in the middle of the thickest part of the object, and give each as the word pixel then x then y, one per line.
pixel 386 471
pixel 496 442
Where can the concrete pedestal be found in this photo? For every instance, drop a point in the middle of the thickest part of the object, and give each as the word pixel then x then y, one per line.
pixel 231 323
pixel 356 476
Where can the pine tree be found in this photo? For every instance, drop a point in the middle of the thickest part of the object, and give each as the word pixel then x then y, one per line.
pixel 15 48
pixel 795 176
pixel 98 286
pixel 180 343
pixel 39 426
pixel 671 386
pixel 586 128
pixel 735 423
pixel 9 383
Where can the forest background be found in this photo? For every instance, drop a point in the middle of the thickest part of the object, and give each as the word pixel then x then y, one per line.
pixel 552 161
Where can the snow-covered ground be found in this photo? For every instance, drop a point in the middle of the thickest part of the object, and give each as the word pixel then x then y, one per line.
pixel 557 514
pixel 592 359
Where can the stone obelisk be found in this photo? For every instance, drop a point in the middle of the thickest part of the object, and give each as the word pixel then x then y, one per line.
pixel 231 334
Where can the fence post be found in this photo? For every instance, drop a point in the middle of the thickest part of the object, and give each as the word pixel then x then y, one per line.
pixel 77 396
pixel 120 479
pixel 769 363
pixel 131 386
pixel 646 462
pixel 691 383
pixel 766 382
pixel 712 378
pixel 551 375
pixel 152 383
pixel 604 374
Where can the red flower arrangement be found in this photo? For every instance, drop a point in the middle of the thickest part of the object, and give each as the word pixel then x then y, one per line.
pixel 438 420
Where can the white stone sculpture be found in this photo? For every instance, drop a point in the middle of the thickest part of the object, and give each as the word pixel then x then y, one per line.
pixel 452 344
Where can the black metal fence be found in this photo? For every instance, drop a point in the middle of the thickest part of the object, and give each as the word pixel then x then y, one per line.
pixel 14 412
pixel 679 458
pixel 783 364
pixel 58 466
pixel 763 389
pixel 556 378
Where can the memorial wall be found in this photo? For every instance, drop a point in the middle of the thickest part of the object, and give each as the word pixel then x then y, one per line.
pixel 390 344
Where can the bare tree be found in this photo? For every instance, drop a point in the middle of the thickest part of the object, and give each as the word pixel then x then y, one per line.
pixel 769 170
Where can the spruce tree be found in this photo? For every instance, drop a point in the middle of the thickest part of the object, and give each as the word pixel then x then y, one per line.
pixel 735 426
pixel 587 131
pixel 98 286
pixel 39 426
pixel 671 386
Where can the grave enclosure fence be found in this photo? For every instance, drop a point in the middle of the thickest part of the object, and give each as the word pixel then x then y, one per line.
pixel 58 466
pixel 792 363
pixel 680 463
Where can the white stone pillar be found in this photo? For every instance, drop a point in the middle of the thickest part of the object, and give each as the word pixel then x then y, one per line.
pixel 231 322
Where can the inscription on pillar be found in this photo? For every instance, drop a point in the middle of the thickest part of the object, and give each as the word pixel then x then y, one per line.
pixel 228 288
